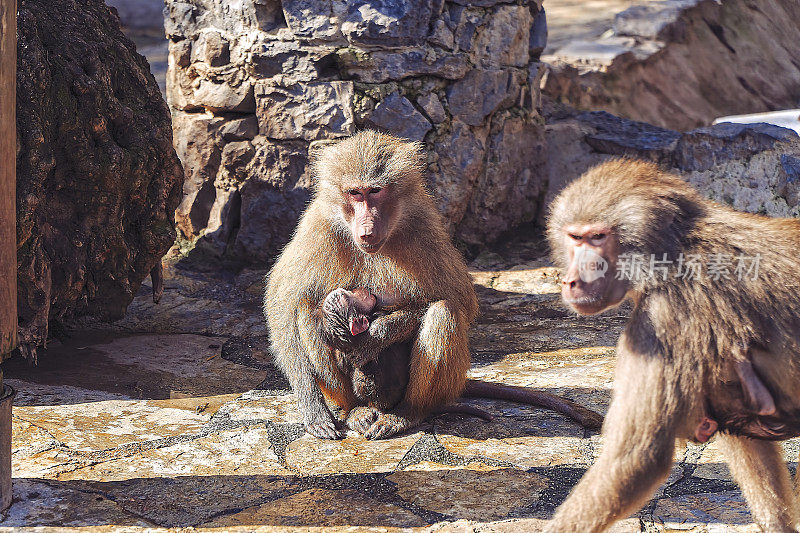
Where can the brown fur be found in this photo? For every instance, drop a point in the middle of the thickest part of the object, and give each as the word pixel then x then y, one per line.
pixel 678 352
pixel 380 383
pixel 417 265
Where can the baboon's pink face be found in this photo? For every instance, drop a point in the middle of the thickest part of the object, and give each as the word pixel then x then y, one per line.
pixel 590 285
pixel 363 302
pixel 370 212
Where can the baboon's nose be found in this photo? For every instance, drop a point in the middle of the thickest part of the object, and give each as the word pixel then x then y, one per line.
pixel 367 237
pixel 570 281
pixel 366 232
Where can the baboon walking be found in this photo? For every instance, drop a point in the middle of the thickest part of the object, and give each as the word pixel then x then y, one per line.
pixel 715 350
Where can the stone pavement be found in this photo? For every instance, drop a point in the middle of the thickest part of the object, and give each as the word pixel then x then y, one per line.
pixel 174 418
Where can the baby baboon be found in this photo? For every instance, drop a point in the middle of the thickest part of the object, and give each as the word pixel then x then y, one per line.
pixel 746 407
pixel 380 383
pixel 373 225
pixel 711 342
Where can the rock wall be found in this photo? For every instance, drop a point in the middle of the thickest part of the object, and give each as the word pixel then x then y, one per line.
pixel 98 179
pixel 255 85
pixel 680 64
pixel 751 167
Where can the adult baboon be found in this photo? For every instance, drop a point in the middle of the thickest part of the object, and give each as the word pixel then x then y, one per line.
pixel 706 347
pixel 372 225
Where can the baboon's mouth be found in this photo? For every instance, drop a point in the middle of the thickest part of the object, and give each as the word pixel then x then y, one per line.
pixel 583 300
pixel 586 305
pixel 370 248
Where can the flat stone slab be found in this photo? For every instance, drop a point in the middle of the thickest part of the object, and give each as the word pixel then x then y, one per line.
pixel 176 418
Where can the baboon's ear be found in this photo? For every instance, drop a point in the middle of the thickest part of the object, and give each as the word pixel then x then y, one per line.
pixel 358 324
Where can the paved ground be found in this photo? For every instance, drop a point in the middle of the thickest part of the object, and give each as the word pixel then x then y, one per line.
pixel 175 418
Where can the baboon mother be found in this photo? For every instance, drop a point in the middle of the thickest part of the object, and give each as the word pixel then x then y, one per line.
pixel 713 341
pixel 372 224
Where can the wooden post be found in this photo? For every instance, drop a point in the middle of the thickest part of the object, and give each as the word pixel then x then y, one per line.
pixel 8 176
pixel 8 228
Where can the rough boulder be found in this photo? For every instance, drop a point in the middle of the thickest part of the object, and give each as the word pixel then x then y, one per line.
pixel 98 179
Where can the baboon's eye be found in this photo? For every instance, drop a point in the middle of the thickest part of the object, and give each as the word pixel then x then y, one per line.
pixel 574 237
pixel 597 239
pixel 355 194
pixel 375 190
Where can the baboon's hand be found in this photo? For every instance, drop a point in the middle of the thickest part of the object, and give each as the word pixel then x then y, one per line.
pixel 389 424
pixel 361 418
pixel 383 332
pixel 322 425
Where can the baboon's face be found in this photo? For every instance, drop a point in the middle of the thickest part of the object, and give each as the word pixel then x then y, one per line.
pixel 370 212
pixel 590 284
pixel 352 307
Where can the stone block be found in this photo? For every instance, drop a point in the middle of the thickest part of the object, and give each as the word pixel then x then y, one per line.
pixel 395 114
pixel 308 111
